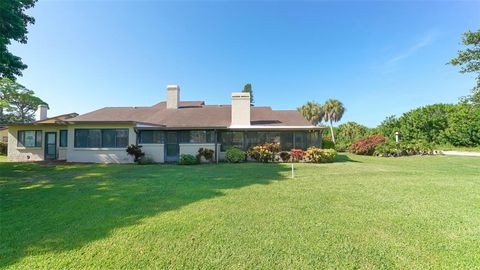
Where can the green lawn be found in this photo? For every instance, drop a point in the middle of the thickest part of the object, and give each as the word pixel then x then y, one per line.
pixel 362 212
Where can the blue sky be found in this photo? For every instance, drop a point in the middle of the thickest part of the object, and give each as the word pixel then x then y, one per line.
pixel 378 58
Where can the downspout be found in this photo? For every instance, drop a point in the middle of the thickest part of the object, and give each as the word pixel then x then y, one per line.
pixel 216 145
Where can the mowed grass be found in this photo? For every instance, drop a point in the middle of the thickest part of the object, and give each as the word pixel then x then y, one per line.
pixel 362 212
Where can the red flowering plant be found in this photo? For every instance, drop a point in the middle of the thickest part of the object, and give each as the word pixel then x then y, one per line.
pixel 297 154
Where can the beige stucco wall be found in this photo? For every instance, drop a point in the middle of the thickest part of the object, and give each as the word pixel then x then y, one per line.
pixel 3 134
pixel 154 151
pixel 19 153
pixel 99 155
pixel 240 109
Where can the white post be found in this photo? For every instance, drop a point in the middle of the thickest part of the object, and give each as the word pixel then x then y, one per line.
pixel 397 139
pixel 293 173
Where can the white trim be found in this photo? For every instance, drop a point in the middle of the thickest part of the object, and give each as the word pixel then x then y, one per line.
pixel 273 127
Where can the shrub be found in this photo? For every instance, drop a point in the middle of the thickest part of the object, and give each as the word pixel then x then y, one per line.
pixel 187 160
pixel 342 146
pixel 264 152
pixel 366 145
pixel 235 155
pixel 284 156
pixel 393 149
pixel 135 151
pixel 145 160
pixel 205 153
pixel 297 154
pixel 3 148
pixel 327 143
pixel 317 155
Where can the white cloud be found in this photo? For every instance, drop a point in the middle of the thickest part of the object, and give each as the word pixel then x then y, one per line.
pixel 425 41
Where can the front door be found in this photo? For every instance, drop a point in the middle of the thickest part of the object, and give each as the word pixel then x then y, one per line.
pixel 50 145
pixel 171 146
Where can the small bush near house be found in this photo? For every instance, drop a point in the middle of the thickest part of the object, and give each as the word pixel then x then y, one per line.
pixel 264 152
pixel 135 151
pixel 297 154
pixel 205 153
pixel 235 155
pixel 317 155
pixel 187 160
pixel 284 156
pixel 145 160
pixel 366 145
pixel 3 148
pixel 327 143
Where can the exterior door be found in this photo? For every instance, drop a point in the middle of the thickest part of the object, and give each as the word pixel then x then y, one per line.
pixel 50 145
pixel 171 146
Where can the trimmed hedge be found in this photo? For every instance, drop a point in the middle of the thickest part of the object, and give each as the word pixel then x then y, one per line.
pixel 317 155
pixel 187 160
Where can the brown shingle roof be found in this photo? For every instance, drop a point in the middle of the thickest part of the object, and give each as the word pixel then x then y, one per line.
pixel 192 114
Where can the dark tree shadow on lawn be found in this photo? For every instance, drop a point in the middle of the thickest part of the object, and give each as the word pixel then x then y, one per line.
pixel 342 157
pixel 49 208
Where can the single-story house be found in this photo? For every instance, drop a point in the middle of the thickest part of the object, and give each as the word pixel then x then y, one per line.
pixel 165 130
pixel 3 134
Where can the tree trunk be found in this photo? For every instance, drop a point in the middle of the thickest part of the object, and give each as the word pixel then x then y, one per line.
pixel 331 131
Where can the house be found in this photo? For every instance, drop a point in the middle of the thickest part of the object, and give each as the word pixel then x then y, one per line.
pixel 3 134
pixel 165 130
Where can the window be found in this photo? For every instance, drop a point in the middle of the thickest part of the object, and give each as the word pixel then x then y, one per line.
pixel 101 138
pixel 152 136
pixel 229 139
pixel 301 140
pixel 30 138
pixel 286 141
pixel 197 136
pixel 314 139
pixel 63 138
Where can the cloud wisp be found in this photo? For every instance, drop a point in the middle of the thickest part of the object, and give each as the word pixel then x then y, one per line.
pixel 425 41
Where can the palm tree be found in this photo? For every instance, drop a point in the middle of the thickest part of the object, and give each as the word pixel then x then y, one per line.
pixel 312 111
pixel 333 113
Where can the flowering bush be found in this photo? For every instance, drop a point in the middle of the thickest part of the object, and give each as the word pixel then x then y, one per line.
pixel 206 153
pixel 317 155
pixel 297 154
pixel 366 145
pixel 264 152
pixel 284 156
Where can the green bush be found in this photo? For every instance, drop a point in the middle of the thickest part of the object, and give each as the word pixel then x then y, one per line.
pixel 235 155
pixel 441 124
pixel 327 143
pixel 393 149
pixel 317 155
pixel 342 146
pixel 3 148
pixel 145 160
pixel 187 160
pixel 135 151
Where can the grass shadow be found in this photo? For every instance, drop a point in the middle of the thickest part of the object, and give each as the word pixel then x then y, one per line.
pixel 49 208
pixel 343 157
